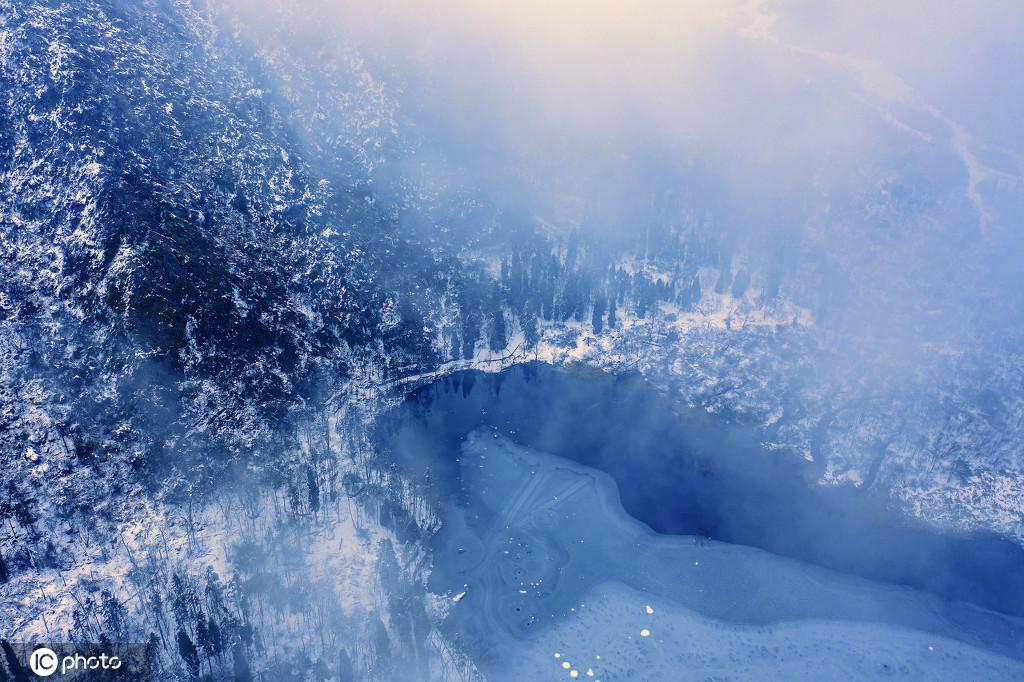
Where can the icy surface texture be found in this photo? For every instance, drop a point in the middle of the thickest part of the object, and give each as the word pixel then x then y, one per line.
pixel 540 559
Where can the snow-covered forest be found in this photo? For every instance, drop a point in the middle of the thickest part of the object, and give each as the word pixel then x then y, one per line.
pixel 234 235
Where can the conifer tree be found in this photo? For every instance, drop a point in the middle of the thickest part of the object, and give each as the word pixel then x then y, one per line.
pixel 189 654
pixel 597 318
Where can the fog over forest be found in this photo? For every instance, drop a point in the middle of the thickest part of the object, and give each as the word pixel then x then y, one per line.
pixel 869 154
pixel 448 340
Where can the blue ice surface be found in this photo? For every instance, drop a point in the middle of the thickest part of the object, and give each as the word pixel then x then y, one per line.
pixel 683 471
pixel 552 571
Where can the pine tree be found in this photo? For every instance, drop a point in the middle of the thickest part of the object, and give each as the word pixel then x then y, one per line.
pixel 506 274
pixel 470 328
pixel 597 318
pixel 216 638
pixel 115 615
pixel 189 654
pixel 642 295
pixel 151 656
pixel 203 639
pixel 499 335
pixel 529 324
pixel 517 286
pixel 214 591
pixel 18 673
pixel 314 490
pixel 183 601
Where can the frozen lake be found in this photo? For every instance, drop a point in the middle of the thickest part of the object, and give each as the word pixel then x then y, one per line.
pixel 558 571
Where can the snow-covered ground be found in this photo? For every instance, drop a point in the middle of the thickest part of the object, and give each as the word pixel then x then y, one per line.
pixel 547 576
pixel 607 639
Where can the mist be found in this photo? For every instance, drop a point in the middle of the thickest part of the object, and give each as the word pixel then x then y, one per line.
pixel 846 147
pixel 348 340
